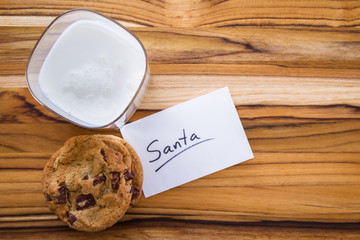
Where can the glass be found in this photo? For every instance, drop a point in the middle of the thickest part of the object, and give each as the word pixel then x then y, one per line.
pixel 47 41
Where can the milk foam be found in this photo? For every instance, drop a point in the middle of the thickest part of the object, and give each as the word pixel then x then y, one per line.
pixel 92 72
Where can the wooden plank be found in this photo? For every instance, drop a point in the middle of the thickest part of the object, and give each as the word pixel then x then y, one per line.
pixel 336 136
pixel 306 52
pixel 168 90
pixel 197 13
pixel 18 106
pixel 182 229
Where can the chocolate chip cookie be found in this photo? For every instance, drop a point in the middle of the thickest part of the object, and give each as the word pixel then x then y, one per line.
pixel 136 173
pixel 87 184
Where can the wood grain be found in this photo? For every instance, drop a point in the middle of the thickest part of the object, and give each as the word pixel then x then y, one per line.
pixel 241 51
pixel 293 70
pixel 307 181
pixel 164 228
pixel 197 13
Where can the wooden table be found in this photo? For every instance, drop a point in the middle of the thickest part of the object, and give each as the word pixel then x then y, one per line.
pixel 293 69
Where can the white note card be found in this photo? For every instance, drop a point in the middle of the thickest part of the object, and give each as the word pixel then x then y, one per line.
pixel 188 141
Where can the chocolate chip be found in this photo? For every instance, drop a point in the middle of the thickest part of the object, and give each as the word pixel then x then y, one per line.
pixel 115 180
pixel 48 198
pixel 61 199
pixel 102 151
pixel 84 201
pixel 71 218
pixel 86 177
pixel 135 194
pixel 99 180
pixel 128 175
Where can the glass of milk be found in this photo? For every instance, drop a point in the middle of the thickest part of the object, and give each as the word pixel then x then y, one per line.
pixel 89 70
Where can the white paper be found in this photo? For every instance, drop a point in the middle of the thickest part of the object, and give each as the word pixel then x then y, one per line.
pixel 188 141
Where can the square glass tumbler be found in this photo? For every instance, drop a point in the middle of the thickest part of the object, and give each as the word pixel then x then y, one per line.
pixel 46 43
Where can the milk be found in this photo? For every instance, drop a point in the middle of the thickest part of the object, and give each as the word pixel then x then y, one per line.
pixel 93 71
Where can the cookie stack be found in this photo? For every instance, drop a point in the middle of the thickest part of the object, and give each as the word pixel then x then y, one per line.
pixel 91 181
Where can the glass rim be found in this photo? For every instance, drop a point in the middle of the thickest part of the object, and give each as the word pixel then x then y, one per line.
pixel 141 85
